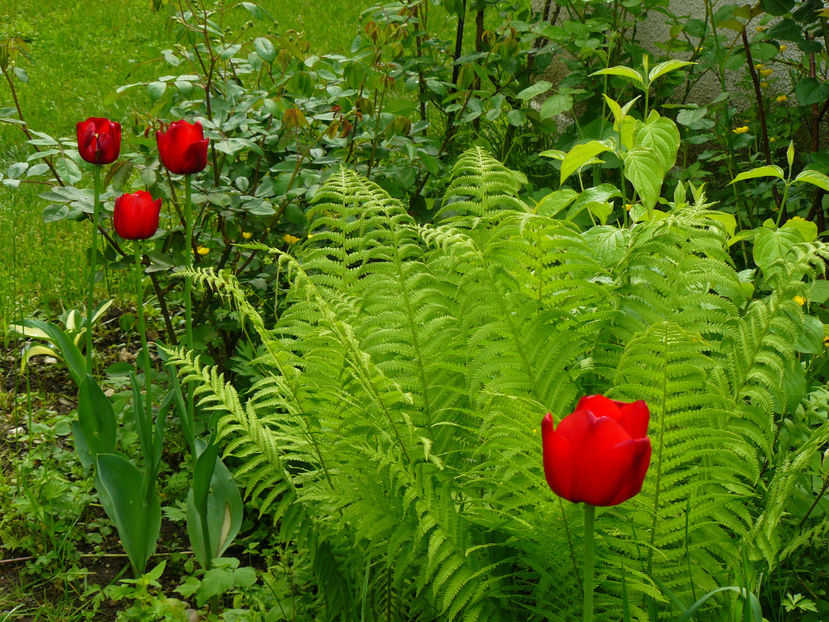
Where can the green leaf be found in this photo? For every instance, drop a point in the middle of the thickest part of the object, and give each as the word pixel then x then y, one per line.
pixel 96 419
pixel 534 90
pixel 257 11
pixel 816 178
pixel 666 67
pixel 805 228
pixel 771 170
pixel 555 105
pixel 555 202
pixel 771 246
pixel 777 7
pixel 580 155
pixel 136 516
pixel 660 135
pixel 265 49
pixel 623 72
pixel 809 91
pixel 68 170
pixel 214 492
pixel 70 353
pixel 820 291
pixel 643 169
pixel 156 89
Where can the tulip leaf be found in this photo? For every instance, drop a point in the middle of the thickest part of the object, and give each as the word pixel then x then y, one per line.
pixel 96 419
pixel 136 516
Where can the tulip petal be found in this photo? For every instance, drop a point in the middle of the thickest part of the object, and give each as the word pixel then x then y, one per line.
pixel 600 406
pixel 576 426
pixel 604 462
pixel 634 419
pixel 558 460
pixel 640 460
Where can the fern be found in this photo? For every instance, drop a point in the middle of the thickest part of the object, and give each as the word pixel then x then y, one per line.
pixel 393 431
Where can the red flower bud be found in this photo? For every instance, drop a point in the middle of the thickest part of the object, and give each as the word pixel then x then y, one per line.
pixel 99 140
pixel 600 453
pixel 183 147
pixel 136 215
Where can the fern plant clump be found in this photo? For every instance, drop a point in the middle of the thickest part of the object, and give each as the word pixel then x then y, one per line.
pixel 393 431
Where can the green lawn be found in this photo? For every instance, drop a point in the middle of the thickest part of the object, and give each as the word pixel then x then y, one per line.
pixel 80 53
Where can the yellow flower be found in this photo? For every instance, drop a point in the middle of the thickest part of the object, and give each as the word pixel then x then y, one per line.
pixel 764 84
pixel 826 342
pixel 628 206
pixel 797 218
pixel 800 300
pixel 782 47
pixel 781 98
pixel 699 48
pixel 766 72
pixel 761 28
pixel 759 66
pixel 290 239
pixel 202 250
pixel 246 234
pixel 740 130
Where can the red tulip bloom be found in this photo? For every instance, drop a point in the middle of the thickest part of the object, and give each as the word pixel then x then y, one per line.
pixel 183 147
pixel 136 215
pixel 599 454
pixel 99 140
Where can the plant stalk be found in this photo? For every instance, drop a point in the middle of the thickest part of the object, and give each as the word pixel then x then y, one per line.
pixel 142 330
pixel 93 255
pixel 589 514
pixel 188 281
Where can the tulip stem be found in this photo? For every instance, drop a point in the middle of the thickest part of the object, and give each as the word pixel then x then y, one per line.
pixel 589 514
pixel 145 359
pixel 188 284
pixel 93 256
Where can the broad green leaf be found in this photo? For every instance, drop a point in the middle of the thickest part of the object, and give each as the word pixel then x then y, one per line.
pixel 728 221
pixel 623 72
pixel 156 89
pixel 555 105
pixel 534 90
pixel 771 246
pixel 580 155
pixel 820 291
pixel 816 178
pixel 96 418
pixel 555 154
pixel 257 11
pixel 805 228
pixel 666 67
pixel 69 352
pixel 265 49
pixel 555 202
pixel 771 170
pixel 810 91
pixel 137 517
pixel 68 171
pixel 644 170
pixel 660 135
pixel 214 492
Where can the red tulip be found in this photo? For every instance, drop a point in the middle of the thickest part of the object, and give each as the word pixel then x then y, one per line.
pixel 136 215
pixel 99 140
pixel 183 147
pixel 599 453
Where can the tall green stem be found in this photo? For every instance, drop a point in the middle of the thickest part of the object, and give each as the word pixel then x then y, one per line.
pixel 188 281
pixel 589 513
pixel 145 358
pixel 93 256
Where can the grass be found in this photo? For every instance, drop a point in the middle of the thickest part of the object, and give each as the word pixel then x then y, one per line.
pixel 80 54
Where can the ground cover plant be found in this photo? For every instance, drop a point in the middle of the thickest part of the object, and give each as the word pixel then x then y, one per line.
pixel 324 288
